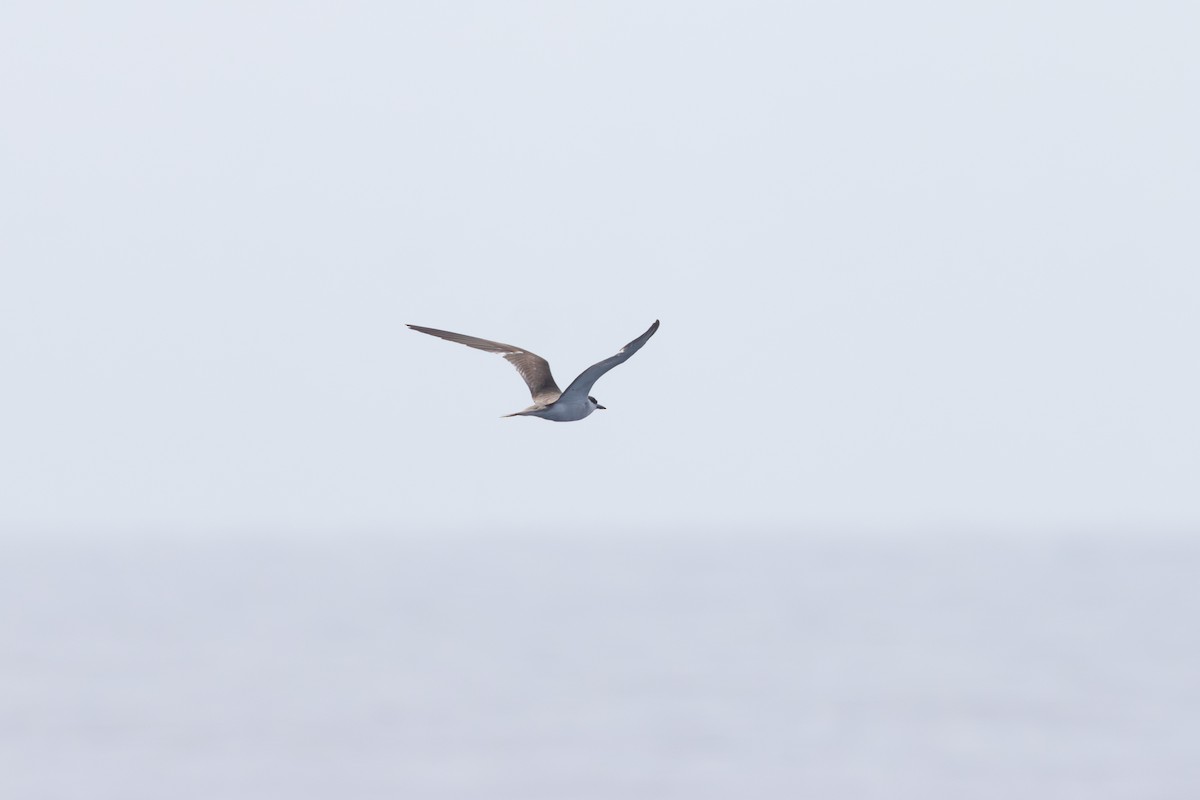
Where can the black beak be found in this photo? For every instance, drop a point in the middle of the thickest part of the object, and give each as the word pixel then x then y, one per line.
pixel 602 408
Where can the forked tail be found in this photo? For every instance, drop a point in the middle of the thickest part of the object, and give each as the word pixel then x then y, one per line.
pixel 525 412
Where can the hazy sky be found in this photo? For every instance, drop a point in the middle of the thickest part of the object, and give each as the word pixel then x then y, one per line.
pixel 918 265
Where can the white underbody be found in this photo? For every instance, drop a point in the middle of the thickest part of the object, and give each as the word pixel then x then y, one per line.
pixel 562 410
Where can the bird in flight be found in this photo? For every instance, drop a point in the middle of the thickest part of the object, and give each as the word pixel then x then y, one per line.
pixel 549 402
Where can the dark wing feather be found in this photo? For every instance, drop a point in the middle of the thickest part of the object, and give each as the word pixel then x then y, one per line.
pixel 582 386
pixel 533 368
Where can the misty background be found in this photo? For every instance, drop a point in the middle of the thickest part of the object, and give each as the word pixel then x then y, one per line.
pixel 900 500
pixel 916 264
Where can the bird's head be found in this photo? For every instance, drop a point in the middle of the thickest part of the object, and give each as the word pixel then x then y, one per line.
pixel 595 403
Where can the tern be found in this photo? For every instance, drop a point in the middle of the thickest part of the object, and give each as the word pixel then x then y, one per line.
pixel 549 402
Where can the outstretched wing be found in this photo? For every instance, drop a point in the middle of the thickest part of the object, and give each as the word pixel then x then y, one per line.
pixel 533 368
pixel 581 387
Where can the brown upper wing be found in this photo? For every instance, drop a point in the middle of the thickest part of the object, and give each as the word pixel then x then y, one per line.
pixel 533 368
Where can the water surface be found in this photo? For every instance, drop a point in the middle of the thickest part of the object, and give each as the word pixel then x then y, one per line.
pixel 655 667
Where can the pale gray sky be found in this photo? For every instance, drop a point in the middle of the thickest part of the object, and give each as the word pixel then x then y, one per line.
pixel 918 265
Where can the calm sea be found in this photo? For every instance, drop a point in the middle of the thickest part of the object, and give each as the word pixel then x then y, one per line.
pixel 656 667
